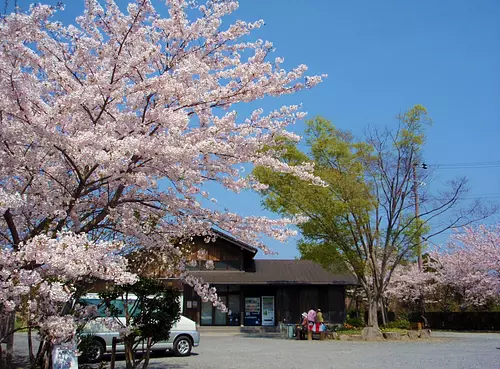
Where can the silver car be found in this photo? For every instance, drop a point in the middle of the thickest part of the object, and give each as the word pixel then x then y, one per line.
pixel 183 337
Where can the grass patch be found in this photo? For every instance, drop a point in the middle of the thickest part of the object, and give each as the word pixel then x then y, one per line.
pixel 20 325
pixel 394 330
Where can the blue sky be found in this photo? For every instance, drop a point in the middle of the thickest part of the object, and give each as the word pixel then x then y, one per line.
pixel 382 58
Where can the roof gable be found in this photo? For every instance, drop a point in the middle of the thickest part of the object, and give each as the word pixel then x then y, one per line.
pixel 235 242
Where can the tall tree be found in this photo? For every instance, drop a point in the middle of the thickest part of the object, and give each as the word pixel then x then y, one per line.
pixel 364 218
pixel 111 127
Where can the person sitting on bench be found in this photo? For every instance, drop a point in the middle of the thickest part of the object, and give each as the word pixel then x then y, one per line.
pixel 302 328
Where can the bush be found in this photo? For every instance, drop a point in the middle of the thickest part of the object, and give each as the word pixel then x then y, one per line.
pixel 348 329
pixel 399 324
pixel 355 322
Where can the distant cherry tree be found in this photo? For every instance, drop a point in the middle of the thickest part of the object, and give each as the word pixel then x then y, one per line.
pixel 468 268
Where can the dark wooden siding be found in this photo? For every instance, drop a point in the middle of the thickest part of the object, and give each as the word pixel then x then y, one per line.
pixel 217 251
pixel 292 301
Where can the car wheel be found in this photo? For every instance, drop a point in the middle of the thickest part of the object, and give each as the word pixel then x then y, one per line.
pixel 94 352
pixel 182 346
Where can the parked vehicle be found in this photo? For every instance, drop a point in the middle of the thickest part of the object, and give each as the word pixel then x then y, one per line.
pixel 183 336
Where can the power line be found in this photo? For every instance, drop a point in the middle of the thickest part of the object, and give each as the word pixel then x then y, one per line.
pixel 469 165
pixel 492 195
pixel 472 163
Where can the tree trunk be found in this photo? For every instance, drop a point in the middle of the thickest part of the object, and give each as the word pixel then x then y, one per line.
pixel 372 332
pixel 42 348
pixel 7 334
pixel 372 311
pixel 129 352
pixel 147 354
pixel 383 307
pixel 30 348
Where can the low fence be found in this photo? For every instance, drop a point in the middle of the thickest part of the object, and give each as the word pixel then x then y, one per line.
pixel 467 321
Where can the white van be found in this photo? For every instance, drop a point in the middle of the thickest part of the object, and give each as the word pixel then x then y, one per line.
pixel 183 336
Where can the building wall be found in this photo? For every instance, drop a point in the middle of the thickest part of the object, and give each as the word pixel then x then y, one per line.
pixel 224 254
pixel 290 302
pixel 220 250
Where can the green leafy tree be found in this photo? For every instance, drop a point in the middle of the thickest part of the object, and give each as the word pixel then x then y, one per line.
pixel 150 309
pixel 364 218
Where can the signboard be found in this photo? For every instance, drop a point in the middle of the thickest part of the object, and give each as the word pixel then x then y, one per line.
pixel 267 310
pixel 64 356
pixel 252 311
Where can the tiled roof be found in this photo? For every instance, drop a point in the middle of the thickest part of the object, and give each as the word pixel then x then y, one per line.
pixel 278 272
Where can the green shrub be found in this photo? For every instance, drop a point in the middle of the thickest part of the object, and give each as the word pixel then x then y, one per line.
pixel 355 322
pixel 399 324
pixel 20 324
pixel 347 329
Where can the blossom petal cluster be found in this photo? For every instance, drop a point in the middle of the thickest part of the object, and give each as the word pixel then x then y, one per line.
pixel 39 279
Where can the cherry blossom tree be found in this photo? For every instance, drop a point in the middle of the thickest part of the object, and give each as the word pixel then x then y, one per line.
pixel 409 283
pixel 469 267
pixel 111 127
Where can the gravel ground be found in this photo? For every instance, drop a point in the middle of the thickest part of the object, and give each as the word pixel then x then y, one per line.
pixel 443 351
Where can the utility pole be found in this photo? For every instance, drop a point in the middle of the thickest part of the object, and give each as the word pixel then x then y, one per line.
pixel 418 235
pixel 417 214
pixel 417 217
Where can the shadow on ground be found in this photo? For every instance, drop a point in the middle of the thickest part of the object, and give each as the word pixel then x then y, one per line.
pixel 263 335
pixel 154 362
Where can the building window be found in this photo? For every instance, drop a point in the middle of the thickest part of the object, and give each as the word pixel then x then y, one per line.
pixel 233 306
pixel 195 266
pixel 220 317
pixel 206 313
pixel 220 265
pixel 230 296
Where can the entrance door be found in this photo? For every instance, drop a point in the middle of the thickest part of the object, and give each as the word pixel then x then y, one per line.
pixel 233 313
pixel 220 317
pixel 206 313
pixel 210 315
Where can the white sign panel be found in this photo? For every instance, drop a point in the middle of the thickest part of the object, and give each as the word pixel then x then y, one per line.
pixel 267 310
pixel 64 357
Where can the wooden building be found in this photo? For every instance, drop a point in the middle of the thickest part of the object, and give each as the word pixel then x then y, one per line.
pixel 262 292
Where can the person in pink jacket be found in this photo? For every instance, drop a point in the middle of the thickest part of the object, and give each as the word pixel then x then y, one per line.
pixel 311 318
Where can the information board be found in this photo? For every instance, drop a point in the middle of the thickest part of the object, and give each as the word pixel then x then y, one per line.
pixel 252 311
pixel 64 357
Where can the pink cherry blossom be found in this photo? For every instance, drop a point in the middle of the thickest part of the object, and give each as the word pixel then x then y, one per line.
pixel 58 328
pixel 39 277
pixel 112 127
pixel 469 265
